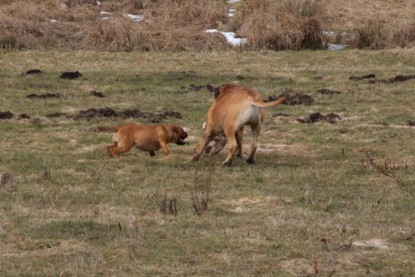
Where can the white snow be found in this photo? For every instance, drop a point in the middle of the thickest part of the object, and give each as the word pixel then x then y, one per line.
pixel 336 47
pixel 230 37
pixel 135 17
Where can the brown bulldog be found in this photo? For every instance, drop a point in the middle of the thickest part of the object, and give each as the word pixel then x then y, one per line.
pixel 149 138
pixel 234 108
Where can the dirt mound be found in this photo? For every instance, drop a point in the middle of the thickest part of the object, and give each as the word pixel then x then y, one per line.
pixel 410 123
pixel 364 77
pixel 97 94
pixel 326 91
pixel 6 115
pixel 193 88
pixel 70 75
pixel 24 116
pixel 297 99
pixel 397 78
pixel 316 117
pixel 57 114
pixel 33 71
pixel 133 113
pixel 44 96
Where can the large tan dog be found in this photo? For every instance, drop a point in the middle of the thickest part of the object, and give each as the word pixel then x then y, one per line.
pixel 234 108
pixel 149 138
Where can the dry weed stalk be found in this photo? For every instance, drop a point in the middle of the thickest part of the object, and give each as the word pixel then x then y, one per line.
pixel 201 190
pixel 166 206
pixel 387 169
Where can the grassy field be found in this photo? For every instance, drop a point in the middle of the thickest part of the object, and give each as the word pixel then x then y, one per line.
pixel 322 200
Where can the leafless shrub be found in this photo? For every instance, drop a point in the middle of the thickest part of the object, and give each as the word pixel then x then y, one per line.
pixel 201 188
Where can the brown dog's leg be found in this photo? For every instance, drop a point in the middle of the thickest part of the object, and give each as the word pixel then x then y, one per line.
pixel 256 129
pixel 152 153
pixel 163 145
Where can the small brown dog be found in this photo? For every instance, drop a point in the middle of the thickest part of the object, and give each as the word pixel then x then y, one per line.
pixel 149 138
pixel 234 108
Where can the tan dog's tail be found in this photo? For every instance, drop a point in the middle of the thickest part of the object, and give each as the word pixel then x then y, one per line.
pixel 270 104
pixel 108 128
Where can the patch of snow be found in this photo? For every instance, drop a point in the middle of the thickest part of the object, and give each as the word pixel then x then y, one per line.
pixel 233 1
pixel 230 37
pixel 336 47
pixel 98 3
pixel 105 13
pixel 135 17
pixel 328 33
pixel 105 18
pixel 53 20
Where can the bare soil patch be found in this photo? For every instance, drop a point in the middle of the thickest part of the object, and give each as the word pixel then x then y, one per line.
pixel 297 99
pixel 129 113
pixel 327 91
pixel 44 96
pixel 6 115
pixel 33 71
pixel 97 94
pixel 397 78
pixel 70 75
pixel 316 117
pixel 364 77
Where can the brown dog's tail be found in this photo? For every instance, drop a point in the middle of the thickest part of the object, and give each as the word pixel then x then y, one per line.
pixel 108 128
pixel 270 104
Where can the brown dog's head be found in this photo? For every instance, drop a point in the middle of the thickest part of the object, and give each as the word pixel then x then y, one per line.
pixel 179 135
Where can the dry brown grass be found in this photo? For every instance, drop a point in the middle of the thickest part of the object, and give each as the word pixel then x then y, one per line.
pixel 179 24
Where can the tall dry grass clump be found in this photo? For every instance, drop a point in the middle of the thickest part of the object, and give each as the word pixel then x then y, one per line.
pixel 79 24
pixel 277 26
pixel 377 34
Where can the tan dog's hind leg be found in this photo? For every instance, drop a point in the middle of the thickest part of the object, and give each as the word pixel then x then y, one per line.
pixel 233 145
pixel 110 147
pixel 256 129
pixel 201 146
pixel 239 137
pixel 120 148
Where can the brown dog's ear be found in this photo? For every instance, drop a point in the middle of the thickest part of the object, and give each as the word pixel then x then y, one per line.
pixel 177 129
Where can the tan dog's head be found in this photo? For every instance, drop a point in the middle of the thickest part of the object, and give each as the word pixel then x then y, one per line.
pixel 179 134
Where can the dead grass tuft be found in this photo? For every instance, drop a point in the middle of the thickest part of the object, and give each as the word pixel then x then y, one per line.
pixel 278 27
